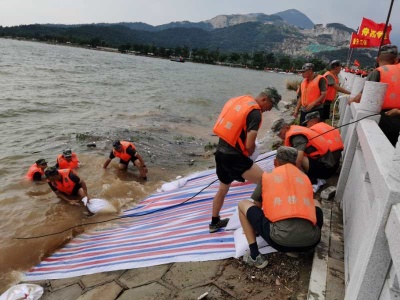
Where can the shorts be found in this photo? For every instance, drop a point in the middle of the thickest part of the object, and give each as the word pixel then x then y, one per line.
pixel 318 169
pixel 231 167
pixel 390 127
pixel 126 162
pixel 326 110
pixel 261 225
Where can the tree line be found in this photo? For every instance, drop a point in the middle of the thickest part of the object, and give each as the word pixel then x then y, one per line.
pixel 257 60
pixel 121 38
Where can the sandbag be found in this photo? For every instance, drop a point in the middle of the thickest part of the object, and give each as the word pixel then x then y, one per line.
pixel 97 205
pixel 23 291
pixel 173 185
pixel 234 221
pixel 241 245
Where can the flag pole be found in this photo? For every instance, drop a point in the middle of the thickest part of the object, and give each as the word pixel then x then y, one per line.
pixel 350 52
pixel 386 25
pixel 349 55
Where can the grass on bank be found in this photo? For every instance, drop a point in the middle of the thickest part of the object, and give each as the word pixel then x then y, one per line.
pixel 293 85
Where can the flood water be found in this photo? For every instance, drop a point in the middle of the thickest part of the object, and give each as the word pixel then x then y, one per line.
pixel 55 97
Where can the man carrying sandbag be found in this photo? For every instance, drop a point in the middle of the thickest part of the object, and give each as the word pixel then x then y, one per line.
pixel 66 185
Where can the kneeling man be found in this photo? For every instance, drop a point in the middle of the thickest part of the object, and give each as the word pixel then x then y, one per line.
pixel 284 212
pixel 66 185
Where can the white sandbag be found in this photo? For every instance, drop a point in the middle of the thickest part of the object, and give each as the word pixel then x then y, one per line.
pixel 234 221
pixel 241 244
pixel 173 185
pixel 256 152
pixel 97 205
pixel 23 291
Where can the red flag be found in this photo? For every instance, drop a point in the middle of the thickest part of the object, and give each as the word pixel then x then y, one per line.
pixel 374 31
pixel 356 63
pixel 358 41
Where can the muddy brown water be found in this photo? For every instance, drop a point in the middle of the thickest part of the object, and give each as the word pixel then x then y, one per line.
pixel 55 97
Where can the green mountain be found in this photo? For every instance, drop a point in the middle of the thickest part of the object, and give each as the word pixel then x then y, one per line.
pixel 296 18
pixel 285 33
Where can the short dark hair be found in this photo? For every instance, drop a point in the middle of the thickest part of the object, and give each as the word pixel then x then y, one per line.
pixel 116 144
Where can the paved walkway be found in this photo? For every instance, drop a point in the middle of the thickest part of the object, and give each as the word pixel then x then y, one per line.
pixel 226 279
pixel 327 275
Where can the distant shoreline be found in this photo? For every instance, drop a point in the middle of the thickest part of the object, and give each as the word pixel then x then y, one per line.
pixel 115 50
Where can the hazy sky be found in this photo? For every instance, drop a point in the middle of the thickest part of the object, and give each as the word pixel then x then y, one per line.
pixel 156 12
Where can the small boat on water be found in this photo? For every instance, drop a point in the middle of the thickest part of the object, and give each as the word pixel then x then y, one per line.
pixel 178 59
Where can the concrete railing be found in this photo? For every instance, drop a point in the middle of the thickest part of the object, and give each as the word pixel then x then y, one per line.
pixel 369 192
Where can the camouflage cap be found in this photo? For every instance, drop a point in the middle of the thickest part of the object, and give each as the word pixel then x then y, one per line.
pixel 278 125
pixel 307 66
pixel 273 94
pixel 41 161
pixel 335 63
pixel 389 49
pixel 67 153
pixel 50 171
pixel 287 154
pixel 310 116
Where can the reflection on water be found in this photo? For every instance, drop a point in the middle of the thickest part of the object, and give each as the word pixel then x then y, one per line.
pixel 54 97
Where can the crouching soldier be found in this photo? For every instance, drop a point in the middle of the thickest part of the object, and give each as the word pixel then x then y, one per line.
pixel 66 185
pixel 284 212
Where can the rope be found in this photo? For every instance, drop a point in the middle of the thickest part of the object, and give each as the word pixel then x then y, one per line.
pixel 175 205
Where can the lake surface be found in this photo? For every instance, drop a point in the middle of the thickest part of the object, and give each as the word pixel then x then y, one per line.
pixel 55 97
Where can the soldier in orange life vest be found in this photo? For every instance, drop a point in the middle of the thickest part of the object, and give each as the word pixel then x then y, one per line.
pixel 36 171
pixel 312 92
pixel 67 160
pixel 332 81
pixel 66 185
pixel 237 127
pixel 126 151
pixel 284 212
pixel 331 134
pixel 388 72
pixel 314 156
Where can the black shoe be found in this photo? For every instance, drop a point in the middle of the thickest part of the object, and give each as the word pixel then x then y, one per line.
pixel 221 223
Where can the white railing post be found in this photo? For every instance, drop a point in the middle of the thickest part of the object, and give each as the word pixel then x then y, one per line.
pixel 348 85
pixel 367 205
pixel 371 102
pixel 392 233
pixel 345 115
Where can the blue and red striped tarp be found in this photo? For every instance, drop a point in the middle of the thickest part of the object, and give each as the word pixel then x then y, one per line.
pixel 165 227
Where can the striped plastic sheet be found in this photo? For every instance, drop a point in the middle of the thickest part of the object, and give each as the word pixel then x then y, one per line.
pixel 166 227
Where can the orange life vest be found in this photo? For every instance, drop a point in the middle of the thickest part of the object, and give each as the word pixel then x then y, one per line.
pixel 390 74
pixel 314 139
pixel 32 170
pixel 331 91
pixel 64 185
pixel 332 136
pixel 232 121
pixel 287 193
pixel 310 90
pixel 122 154
pixel 64 164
